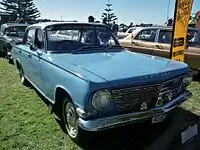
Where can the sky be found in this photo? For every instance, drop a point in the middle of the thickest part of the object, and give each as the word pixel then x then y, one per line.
pixel 136 11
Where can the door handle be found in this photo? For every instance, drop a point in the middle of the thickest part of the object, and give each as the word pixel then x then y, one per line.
pixel 135 43
pixel 29 55
pixel 159 46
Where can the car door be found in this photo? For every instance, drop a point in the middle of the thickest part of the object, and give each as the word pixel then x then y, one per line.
pixel 144 41
pixel 24 52
pixel 35 55
pixel 163 43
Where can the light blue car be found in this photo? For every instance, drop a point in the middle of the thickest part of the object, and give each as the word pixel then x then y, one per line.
pixel 92 83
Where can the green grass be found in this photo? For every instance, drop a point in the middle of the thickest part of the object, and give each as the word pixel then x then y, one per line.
pixel 26 123
pixel 25 120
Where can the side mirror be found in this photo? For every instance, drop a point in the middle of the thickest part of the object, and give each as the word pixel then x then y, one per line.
pixel 33 47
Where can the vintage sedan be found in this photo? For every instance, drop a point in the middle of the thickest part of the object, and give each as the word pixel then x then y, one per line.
pixel 10 35
pixel 156 41
pixel 93 84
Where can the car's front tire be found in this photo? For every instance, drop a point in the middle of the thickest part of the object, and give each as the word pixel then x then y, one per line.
pixel 69 119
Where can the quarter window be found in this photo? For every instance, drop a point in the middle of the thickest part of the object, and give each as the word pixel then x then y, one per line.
pixel 147 35
pixel 39 40
pixel 165 36
pixel 30 36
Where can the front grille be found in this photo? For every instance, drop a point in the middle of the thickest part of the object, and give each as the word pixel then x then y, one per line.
pixel 131 98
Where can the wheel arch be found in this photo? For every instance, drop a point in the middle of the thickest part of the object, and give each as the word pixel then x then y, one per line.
pixel 59 93
pixel 18 64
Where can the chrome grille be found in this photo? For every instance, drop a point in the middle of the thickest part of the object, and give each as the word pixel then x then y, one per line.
pixel 131 98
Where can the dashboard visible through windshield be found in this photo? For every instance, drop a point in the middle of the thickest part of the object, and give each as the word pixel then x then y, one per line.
pixel 68 38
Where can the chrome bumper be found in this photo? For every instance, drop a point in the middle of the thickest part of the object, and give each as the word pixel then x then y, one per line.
pixel 111 122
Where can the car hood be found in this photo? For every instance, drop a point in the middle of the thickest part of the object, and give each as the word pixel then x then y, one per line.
pixel 123 67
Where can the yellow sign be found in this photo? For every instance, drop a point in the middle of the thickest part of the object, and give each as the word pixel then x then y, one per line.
pixel 181 20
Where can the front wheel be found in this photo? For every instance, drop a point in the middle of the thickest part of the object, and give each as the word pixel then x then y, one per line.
pixel 69 119
pixel 198 76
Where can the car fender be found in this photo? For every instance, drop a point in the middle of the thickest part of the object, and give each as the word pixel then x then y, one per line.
pixel 62 87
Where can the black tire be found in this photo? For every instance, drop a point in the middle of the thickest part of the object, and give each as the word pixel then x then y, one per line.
pixel 78 135
pixel 23 80
pixel 198 76
pixel 10 61
pixel 2 54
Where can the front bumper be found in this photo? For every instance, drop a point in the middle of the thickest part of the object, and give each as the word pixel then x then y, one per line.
pixel 111 122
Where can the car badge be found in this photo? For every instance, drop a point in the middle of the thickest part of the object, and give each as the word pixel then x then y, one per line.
pixel 169 95
pixel 143 106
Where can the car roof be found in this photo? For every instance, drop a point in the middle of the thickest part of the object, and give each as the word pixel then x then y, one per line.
pixel 162 27
pixel 43 25
pixel 6 25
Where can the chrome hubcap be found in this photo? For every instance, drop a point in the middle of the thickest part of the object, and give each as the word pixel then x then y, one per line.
pixel 71 119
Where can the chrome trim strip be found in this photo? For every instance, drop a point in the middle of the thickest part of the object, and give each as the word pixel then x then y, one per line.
pixel 110 122
pixel 158 84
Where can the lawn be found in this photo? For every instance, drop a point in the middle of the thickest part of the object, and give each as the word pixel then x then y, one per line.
pixel 25 120
pixel 26 123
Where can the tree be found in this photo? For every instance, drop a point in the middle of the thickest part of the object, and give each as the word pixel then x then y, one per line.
pixel 22 9
pixel 108 15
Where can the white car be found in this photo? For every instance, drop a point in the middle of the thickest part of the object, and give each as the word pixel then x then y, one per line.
pixel 122 35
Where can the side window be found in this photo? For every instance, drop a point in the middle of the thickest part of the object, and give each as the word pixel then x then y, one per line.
pixel 30 37
pixel 193 38
pixel 39 39
pixel 148 35
pixel 165 36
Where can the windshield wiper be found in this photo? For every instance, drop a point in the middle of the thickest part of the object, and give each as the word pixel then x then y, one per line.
pixel 85 48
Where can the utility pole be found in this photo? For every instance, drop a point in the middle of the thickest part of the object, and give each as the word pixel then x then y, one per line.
pixel 169 3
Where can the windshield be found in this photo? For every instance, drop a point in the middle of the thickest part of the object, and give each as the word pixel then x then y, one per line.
pixel 67 38
pixel 17 31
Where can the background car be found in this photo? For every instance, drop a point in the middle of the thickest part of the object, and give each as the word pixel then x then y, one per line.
pixel 10 35
pixel 122 35
pixel 157 40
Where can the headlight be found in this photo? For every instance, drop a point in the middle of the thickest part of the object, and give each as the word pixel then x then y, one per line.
pixel 187 79
pixel 101 99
